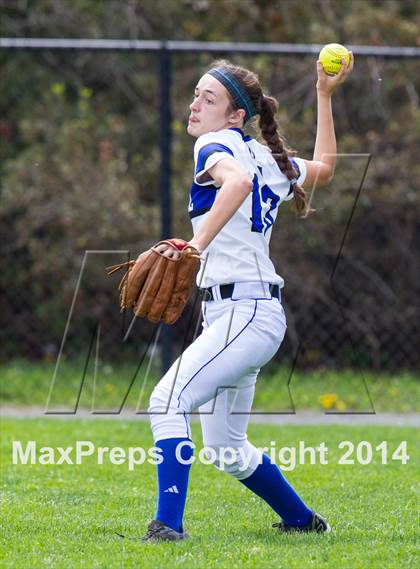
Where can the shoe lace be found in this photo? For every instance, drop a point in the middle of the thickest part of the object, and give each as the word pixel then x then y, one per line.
pixel 318 523
pixel 152 530
pixel 280 525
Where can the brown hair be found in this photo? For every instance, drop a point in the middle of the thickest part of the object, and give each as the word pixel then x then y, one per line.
pixel 266 108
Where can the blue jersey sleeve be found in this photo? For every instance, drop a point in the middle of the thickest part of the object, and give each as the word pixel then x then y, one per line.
pixel 209 149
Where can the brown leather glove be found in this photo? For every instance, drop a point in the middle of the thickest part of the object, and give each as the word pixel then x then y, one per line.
pixel 157 286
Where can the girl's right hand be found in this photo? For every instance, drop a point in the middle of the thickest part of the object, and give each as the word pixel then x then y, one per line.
pixel 328 83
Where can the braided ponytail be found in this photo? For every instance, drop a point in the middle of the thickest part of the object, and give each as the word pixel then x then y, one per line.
pixel 279 149
pixel 266 107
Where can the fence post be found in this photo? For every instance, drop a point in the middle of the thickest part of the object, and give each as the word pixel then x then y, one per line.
pixel 165 132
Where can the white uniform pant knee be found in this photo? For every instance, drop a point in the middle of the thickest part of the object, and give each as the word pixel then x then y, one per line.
pixel 238 338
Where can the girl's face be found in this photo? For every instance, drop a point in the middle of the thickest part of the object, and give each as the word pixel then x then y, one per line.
pixel 210 109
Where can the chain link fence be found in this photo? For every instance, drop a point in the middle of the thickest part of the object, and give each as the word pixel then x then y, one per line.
pixel 80 171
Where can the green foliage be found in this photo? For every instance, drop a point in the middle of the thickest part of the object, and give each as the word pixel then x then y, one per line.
pixel 79 160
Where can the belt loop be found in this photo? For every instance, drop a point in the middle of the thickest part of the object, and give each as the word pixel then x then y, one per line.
pixel 216 292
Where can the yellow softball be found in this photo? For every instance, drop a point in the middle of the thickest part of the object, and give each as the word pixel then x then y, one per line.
pixel 331 55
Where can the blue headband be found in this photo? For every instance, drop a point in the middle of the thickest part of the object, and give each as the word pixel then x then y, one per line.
pixel 238 93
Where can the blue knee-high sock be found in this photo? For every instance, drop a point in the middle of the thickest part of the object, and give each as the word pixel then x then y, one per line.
pixel 268 482
pixel 173 482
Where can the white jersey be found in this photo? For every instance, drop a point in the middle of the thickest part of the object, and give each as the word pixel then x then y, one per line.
pixel 240 251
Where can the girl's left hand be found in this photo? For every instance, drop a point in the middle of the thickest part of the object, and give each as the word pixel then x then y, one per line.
pixel 328 83
pixel 171 253
pixel 194 244
pixel 168 251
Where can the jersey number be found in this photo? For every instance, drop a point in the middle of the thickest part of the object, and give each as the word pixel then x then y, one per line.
pixel 260 195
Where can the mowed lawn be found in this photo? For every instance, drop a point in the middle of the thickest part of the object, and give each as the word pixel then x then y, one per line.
pixel 29 383
pixel 67 515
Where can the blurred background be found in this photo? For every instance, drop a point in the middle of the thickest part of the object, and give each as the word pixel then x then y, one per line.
pixel 81 168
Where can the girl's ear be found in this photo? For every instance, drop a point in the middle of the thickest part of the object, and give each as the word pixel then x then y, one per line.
pixel 237 116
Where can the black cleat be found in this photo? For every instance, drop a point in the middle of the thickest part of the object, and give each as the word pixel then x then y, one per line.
pixel 157 531
pixel 318 525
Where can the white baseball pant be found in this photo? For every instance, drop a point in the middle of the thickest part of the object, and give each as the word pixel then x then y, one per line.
pixel 239 336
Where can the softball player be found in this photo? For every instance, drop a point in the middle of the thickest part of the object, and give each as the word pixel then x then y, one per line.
pixel 237 189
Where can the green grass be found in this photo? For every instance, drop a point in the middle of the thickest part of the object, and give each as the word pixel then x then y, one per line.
pixel 65 516
pixel 24 383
